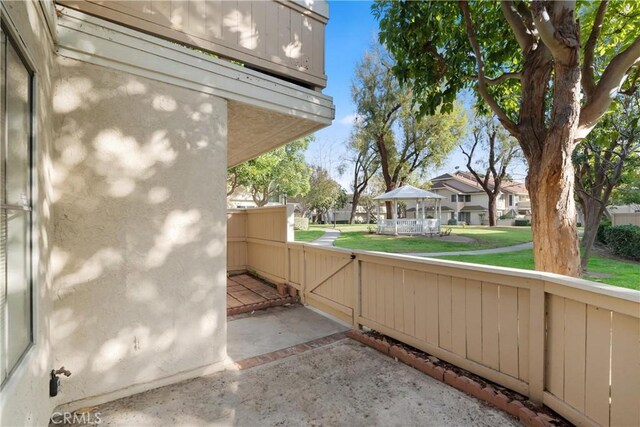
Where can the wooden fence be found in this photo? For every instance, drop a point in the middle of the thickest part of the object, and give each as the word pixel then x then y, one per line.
pixel 626 218
pixel 570 343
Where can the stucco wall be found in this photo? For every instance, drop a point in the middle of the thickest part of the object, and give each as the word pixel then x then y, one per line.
pixel 24 399
pixel 139 257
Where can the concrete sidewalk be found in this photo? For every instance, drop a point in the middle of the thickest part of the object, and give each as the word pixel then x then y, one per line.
pixel 330 235
pixel 514 248
pixel 341 383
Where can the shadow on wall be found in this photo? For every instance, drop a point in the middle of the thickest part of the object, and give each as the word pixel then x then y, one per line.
pixel 138 258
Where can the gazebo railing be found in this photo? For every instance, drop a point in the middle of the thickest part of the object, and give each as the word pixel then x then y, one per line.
pixel 408 226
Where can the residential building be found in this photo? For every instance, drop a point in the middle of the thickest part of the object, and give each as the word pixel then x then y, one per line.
pixel 465 200
pixel 121 119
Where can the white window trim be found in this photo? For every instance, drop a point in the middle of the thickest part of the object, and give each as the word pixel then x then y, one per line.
pixel 22 366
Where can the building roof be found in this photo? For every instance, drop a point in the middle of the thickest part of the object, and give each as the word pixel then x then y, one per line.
pixel 408 192
pixel 473 208
pixel 465 182
pixel 456 186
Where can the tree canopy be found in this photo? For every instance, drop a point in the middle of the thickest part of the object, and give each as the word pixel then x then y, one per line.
pixel 548 70
pixel 280 171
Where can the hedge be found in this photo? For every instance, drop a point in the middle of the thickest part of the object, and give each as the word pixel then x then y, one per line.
pixel 624 240
pixel 300 223
pixel 522 222
pixel 602 235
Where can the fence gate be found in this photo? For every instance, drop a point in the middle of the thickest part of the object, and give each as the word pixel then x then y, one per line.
pixel 329 281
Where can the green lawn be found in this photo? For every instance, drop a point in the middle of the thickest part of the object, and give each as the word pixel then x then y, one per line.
pixel 308 235
pixel 357 237
pixel 625 274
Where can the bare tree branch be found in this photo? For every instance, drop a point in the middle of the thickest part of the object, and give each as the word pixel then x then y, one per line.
pixel 503 77
pixel 523 36
pixel 588 73
pixel 607 88
pixel 482 84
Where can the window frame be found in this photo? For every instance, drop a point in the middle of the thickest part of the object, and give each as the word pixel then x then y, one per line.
pixel 13 39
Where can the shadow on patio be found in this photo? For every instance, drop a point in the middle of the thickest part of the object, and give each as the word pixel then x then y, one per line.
pixel 306 373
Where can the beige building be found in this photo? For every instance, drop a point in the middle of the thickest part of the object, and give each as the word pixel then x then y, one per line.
pixel 465 200
pixel 120 128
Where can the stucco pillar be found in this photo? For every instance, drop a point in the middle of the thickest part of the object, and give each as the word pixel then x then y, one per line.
pixel 140 242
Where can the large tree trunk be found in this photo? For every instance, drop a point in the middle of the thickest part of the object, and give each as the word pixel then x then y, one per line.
pixel 492 210
pixel 592 211
pixel 553 213
pixel 354 207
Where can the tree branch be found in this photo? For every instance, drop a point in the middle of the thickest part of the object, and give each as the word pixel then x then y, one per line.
pixel 482 83
pixel 549 34
pixel 607 88
pixel 588 73
pixel 634 84
pixel 523 36
pixel 501 78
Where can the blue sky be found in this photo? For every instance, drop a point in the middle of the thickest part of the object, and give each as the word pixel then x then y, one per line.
pixel 350 32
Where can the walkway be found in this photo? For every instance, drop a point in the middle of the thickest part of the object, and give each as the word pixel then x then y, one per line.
pixel 327 381
pixel 514 248
pixel 327 239
pixel 246 293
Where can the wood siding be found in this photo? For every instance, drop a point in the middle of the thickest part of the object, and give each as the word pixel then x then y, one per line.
pixel 278 37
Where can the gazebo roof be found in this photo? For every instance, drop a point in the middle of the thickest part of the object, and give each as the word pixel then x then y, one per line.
pixel 408 192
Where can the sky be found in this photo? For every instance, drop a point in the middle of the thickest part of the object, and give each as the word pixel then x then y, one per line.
pixel 352 30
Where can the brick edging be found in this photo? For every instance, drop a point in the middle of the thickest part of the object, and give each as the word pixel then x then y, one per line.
pixel 488 393
pixel 290 351
pixel 247 308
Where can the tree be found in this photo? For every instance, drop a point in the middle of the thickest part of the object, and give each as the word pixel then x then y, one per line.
pixel 600 160
pixel 403 141
pixel 280 171
pixel 490 138
pixel 628 192
pixel 532 66
pixel 365 165
pixel 327 193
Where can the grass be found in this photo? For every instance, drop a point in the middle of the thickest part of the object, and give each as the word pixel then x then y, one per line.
pixel 308 235
pixel 357 237
pixel 622 273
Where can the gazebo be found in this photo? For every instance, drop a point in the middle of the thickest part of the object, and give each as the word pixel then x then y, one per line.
pixel 418 225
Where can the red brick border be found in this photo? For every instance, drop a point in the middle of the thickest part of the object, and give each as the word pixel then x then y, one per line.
pixel 463 381
pixel 290 351
pixel 248 308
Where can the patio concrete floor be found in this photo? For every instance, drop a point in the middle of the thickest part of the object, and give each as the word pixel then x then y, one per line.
pixel 341 383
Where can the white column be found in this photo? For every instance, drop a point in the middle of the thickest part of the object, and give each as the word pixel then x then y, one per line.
pixel 378 215
pixel 395 216
pixel 439 204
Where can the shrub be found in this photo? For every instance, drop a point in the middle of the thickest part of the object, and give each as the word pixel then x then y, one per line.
pixel 624 240
pixel 300 223
pixel 602 235
pixel 506 216
pixel 522 223
pixel 452 221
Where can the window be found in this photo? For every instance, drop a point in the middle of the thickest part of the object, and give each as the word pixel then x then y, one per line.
pixel 16 115
pixel 464 216
pixel 510 199
pixel 461 197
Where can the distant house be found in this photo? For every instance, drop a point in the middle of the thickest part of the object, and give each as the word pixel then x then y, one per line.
pixel 467 201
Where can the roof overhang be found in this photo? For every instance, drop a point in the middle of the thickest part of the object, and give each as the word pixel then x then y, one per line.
pixel 264 112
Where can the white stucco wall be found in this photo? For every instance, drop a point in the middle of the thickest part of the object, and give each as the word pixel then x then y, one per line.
pixel 24 399
pixel 139 251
